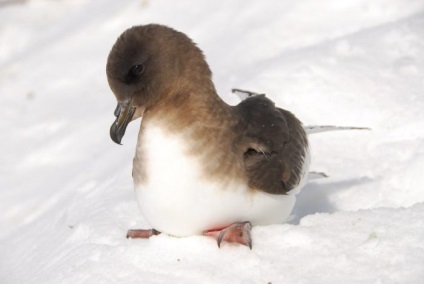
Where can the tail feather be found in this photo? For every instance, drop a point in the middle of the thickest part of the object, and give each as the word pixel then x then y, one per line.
pixel 311 129
pixel 244 94
pixel 316 175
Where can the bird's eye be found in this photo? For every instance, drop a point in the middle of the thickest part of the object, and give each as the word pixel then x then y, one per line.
pixel 137 70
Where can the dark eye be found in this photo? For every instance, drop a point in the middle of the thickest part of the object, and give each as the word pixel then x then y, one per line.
pixel 137 70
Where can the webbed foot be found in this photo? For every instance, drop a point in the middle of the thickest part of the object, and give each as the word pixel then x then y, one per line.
pixel 141 234
pixel 235 233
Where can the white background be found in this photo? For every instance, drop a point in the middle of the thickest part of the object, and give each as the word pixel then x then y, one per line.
pixel 66 195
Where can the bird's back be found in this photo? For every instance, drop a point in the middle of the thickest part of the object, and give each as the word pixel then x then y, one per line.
pixel 277 158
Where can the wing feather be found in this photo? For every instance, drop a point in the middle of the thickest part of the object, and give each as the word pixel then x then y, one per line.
pixel 274 146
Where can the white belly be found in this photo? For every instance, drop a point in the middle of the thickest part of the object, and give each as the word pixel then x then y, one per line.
pixel 177 200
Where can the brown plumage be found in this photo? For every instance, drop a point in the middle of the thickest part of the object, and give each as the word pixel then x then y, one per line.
pixel 160 74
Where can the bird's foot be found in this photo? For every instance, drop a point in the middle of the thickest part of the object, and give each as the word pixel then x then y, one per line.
pixel 141 234
pixel 235 233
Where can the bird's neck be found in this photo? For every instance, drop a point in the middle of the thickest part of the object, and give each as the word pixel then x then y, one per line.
pixel 193 106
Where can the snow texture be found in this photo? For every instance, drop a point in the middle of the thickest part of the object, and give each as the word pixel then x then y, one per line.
pixel 66 193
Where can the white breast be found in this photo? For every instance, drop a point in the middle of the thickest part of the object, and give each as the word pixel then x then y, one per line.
pixel 176 199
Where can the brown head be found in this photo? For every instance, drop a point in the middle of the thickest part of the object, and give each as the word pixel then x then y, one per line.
pixel 148 63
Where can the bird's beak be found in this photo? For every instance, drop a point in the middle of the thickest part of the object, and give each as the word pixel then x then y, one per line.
pixel 124 113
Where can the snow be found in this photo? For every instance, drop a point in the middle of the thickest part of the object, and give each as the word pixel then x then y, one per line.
pixel 66 193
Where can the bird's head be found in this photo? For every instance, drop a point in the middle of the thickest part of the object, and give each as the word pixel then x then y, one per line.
pixel 146 64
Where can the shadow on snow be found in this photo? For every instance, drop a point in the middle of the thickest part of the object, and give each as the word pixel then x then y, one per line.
pixel 315 197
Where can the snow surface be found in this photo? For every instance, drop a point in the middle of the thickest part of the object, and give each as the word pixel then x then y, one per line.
pixel 66 193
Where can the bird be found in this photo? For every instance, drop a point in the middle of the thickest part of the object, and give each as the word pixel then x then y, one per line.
pixel 202 166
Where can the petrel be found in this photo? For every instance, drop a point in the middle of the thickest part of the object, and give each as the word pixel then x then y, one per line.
pixel 201 167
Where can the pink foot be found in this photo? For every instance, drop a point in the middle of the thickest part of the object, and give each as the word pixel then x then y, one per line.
pixel 235 233
pixel 142 234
